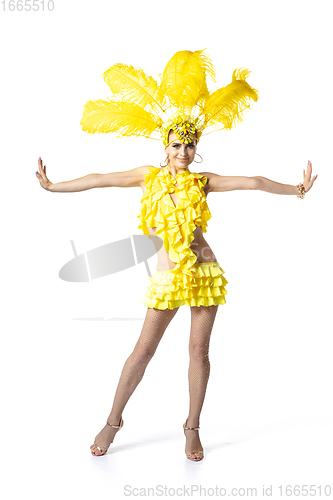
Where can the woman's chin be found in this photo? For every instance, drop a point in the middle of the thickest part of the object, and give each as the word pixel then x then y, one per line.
pixel 180 164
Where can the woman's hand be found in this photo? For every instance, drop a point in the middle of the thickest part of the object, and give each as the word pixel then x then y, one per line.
pixel 43 180
pixel 307 181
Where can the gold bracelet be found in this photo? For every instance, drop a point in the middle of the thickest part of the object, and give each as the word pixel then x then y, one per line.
pixel 301 190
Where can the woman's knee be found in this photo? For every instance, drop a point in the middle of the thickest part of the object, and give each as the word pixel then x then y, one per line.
pixel 142 355
pixel 198 352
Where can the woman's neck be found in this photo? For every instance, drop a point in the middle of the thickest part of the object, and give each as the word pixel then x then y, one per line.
pixel 174 170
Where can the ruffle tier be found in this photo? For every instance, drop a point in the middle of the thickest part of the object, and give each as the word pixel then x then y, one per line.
pixel 206 288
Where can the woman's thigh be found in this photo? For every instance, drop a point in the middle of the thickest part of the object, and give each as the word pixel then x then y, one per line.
pixel 154 326
pixel 202 322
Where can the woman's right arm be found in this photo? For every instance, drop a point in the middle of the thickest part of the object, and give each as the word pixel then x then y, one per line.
pixel 128 178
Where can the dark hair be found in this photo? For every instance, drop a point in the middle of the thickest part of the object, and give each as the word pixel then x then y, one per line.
pixel 171 130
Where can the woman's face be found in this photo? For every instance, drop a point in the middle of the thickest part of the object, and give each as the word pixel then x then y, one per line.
pixel 181 155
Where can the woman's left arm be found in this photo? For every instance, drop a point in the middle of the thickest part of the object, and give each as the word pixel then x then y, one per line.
pixel 275 187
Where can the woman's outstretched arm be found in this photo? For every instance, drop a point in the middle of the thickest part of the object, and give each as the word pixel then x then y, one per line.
pixel 275 187
pixel 230 183
pixel 127 178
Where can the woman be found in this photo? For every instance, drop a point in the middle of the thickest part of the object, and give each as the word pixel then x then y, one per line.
pixel 174 208
pixel 180 156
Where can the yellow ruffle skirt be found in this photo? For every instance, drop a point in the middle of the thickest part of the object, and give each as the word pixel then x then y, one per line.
pixel 205 289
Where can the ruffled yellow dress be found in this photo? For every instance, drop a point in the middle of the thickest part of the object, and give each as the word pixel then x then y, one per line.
pixel 189 282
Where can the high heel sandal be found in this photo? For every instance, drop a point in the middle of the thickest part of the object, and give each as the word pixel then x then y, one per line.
pixel 193 452
pixel 121 423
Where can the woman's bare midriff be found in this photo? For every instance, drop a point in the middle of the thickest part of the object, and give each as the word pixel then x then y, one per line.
pixel 199 246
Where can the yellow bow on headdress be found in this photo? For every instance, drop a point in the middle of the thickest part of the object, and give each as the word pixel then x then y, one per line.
pixel 181 102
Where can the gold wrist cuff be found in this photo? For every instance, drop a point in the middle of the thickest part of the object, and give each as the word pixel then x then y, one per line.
pixel 301 190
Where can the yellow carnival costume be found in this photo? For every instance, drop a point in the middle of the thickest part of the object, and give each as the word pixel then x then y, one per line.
pixel 188 282
pixel 182 103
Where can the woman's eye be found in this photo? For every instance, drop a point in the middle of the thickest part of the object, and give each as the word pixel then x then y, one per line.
pixel 188 145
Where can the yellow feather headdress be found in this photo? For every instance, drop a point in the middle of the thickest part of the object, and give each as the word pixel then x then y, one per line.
pixel 181 102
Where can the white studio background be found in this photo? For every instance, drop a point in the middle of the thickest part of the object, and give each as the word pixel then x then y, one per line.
pixel 267 417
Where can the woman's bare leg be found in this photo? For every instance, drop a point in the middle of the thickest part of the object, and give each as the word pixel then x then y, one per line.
pixel 202 321
pixel 154 326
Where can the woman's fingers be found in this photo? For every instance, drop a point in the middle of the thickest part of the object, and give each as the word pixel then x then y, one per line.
pixel 307 181
pixel 40 162
pixel 41 175
pixel 40 166
pixel 42 170
pixel 308 171
pixel 307 175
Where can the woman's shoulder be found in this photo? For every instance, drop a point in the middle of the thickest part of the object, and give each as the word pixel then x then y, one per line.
pixel 208 175
pixel 207 178
pixel 149 174
pixel 148 169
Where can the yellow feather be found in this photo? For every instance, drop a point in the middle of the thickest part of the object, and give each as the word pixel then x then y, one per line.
pixel 139 106
pixel 184 78
pixel 122 117
pixel 225 105
pixel 133 85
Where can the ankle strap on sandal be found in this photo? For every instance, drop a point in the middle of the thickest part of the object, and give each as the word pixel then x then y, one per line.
pixel 192 428
pixel 116 426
